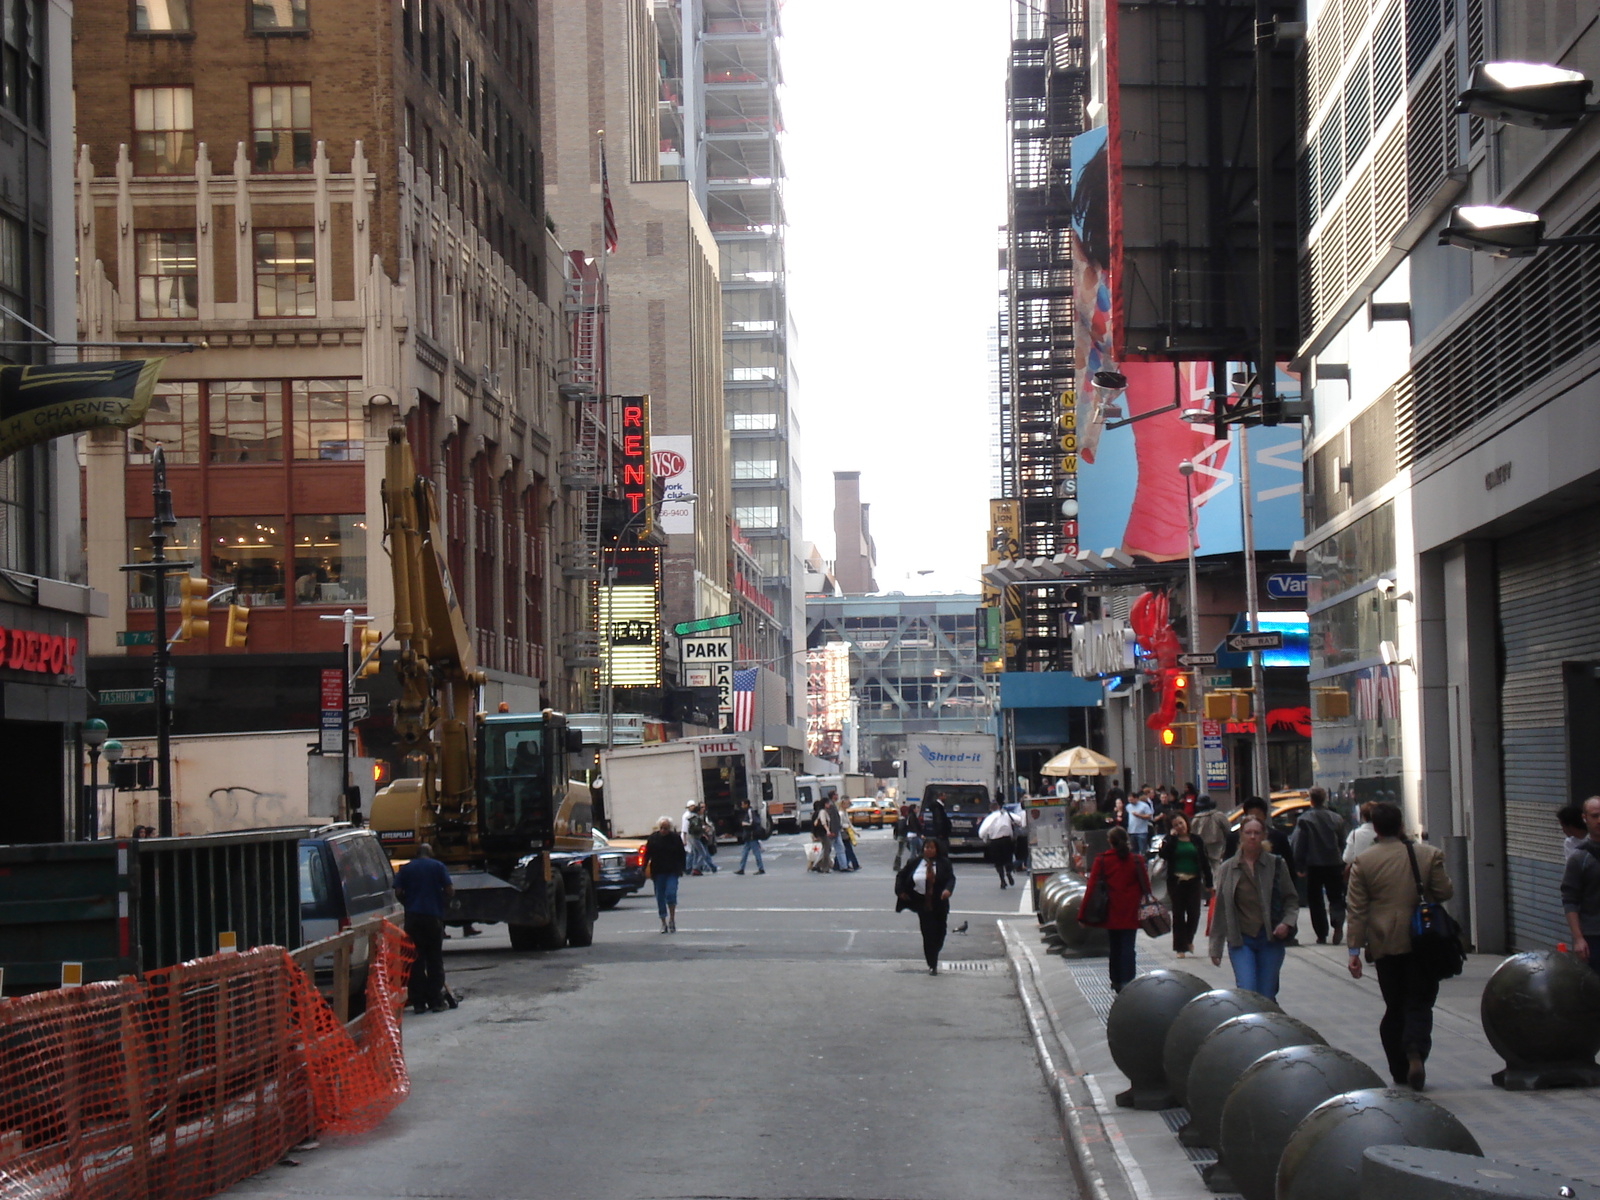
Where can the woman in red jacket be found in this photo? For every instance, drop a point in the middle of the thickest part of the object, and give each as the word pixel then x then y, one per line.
pixel 1124 876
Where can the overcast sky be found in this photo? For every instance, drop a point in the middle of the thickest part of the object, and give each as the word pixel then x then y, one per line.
pixel 895 151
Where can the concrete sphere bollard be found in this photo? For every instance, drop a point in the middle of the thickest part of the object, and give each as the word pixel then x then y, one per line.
pixel 1267 1102
pixel 1055 890
pixel 1419 1174
pixel 1323 1158
pixel 1084 940
pixel 1194 1021
pixel 1136 1031
pixel 1224 1055
pixel 1541 1012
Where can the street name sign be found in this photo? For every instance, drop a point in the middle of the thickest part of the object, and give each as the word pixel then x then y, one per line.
pixel 128 696
pixel 1197 660
pixel 136 637
pixel 706 624
pixel 1239 643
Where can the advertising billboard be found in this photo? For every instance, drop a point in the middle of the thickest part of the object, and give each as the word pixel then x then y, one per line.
pixel 672 462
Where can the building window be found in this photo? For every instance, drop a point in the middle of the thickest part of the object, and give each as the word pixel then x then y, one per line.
pixel 285 273
pixel 268 16
pixel 248 553
pixel 14 289
pixel 246 421
pixel 162 16
pixel 328 422
pixel 163 130
pixel 281 120
pixel 756 517
pixel 330 559
pixel 22 78
pixel 183 545
pixel 172 422
pixel 168 273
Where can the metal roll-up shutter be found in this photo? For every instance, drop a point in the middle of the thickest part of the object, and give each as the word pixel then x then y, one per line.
pixel 1549 593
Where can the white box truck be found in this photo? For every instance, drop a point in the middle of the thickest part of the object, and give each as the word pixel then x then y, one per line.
pixel 645 783
pixel 960 767
pixel 777 786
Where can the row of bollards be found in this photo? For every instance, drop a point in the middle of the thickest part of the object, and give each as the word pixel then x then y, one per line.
pixel 1059 899
pixel 1292 1118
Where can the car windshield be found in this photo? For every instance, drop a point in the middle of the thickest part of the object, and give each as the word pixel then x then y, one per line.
pixel 962 799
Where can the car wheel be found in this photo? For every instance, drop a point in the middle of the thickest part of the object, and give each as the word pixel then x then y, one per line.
pixel 580 915
pixel 554 935
pixel 608 902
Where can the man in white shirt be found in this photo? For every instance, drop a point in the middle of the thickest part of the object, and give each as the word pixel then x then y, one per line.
pixel 1140 814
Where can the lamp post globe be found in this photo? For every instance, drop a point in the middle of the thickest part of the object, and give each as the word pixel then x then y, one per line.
pixel 94 733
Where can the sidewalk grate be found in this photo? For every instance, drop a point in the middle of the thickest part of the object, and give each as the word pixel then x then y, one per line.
pixel 1090 976
pixel 968 965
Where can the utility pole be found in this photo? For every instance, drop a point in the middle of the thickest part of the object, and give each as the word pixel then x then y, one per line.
pixel 1258 687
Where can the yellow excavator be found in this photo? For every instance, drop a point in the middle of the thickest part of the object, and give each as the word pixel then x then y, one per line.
pixel 488 791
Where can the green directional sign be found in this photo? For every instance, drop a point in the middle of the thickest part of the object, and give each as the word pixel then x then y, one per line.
pixel 128 696
pixel 706 624
pixel 136 637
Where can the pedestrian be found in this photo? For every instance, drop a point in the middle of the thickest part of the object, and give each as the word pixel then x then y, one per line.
pixel 1118 816
pixel 902 827
pixel 1124 875
pixel 692 829
pixel 1109 801
pixel 1318 842
pixel 1255 911
pixel 1580 889
pixel 998 834
pixel 935 820
pixel 1211 827
pixel 847 842
pixel 834 820
pixel 1140 813
pixel 1570 817
pixel 1188 881
pixel 1191 797
pixel 750 834
pixel 1277 840
pixel 924 885
pixel 424 888
pixel 1019 842
pixel 820 835
pixel 1361 838
pixel 913 832
pixel 1379 902
pixel 664 862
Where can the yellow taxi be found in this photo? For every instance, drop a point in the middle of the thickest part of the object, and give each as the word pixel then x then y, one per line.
pixel 868 812
pixel 1285 809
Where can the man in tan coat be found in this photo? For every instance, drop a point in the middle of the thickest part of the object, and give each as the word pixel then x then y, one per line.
pixel 1381 897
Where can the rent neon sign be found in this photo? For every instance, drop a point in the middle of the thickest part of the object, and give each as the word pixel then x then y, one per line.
pixel 636 451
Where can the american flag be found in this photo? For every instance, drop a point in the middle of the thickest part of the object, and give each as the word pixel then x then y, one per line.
pixel 744 699
pixel 607 212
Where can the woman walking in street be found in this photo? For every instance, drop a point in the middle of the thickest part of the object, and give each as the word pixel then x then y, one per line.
pixel 1188 881
pixel 664 860
pixel 924 885
pixel 1256 910
pixel 1124 875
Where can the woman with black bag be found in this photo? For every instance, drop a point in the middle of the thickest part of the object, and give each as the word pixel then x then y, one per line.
pixel 1116 886
pixel 1188 879
pixel 924 886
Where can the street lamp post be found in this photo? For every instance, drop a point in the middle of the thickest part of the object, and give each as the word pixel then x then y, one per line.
pixel 1196 688
pixel 603 619
pixel 94 734
pixel 113 750
pixel 1258 686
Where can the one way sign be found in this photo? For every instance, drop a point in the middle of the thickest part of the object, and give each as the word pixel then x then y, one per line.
pixel 1239 643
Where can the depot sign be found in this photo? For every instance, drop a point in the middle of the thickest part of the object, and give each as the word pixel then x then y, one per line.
pixel 42 653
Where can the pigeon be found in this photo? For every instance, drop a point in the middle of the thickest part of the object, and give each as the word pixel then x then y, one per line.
pixel 961 928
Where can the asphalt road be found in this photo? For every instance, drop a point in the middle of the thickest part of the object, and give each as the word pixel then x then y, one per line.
pixel 787 1042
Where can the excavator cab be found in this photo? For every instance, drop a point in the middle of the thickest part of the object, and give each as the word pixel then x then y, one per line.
pixel 521 782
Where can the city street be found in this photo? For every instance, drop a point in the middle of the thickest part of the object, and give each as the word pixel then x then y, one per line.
pixel 786 1042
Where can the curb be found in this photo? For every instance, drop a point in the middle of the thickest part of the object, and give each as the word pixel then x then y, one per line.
pixel 1076 1103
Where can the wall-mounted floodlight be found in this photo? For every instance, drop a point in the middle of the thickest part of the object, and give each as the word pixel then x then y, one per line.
pixel 1504 232
pixel 1390 655
pixel 1534 95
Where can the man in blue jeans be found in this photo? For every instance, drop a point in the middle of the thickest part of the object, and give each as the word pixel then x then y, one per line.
pixel 692 830
pixel 750 835
pixel 424 888
pixel 1140 813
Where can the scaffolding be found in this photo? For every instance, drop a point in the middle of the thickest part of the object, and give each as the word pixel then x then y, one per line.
pixel 1046 89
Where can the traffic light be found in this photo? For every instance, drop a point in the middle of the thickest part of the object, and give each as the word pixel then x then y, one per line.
pixel 370 638
pixel 1180 693
pixel 238 626
pixel 193 607
pixel 1168 738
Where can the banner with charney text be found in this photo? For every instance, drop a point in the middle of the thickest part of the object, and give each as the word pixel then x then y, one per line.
pixel 40 402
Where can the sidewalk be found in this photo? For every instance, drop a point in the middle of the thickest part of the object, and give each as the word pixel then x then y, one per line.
pixel 1127 1154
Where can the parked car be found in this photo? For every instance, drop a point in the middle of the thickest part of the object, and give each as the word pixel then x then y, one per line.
pixel 345 883
pixel 621 868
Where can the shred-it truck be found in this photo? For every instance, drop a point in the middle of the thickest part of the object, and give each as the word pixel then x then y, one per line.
pixel 957 768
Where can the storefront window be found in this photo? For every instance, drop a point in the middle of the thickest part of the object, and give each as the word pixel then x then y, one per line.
pixel 248 553
pixel 171 422
pixel 246 421
pixel 1362 550
pixel 1356 737
pixel 328 424
pixel 1351 630
pixel 183 545
pixel 330 559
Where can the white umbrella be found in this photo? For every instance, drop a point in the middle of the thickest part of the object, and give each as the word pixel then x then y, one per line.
pixel 1079 760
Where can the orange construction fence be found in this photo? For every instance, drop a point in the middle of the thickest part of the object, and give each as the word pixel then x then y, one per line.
pixel 183 1082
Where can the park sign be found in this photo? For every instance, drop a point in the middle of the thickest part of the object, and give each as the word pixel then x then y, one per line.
pixel 39 402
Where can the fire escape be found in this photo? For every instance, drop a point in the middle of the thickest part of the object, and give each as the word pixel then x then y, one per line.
pixel 583 466
pixel 1047 84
